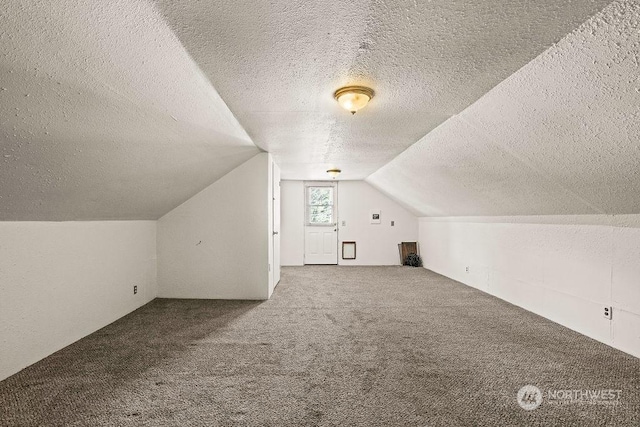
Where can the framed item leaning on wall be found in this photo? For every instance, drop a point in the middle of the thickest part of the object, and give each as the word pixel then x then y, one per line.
pixel 348 250
pixel 406 248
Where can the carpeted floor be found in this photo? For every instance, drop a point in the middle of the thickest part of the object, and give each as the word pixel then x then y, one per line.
pixel 335 346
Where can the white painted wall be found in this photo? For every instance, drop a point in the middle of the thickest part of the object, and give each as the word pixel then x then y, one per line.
pixel 292 222
pixel 376 244
pixel 61 281
pixel 216 244
pixel 565 268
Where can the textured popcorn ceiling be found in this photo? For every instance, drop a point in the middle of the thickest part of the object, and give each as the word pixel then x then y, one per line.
pixel 110 110
pixel 103 115
pixel 277 64
pixel 559 136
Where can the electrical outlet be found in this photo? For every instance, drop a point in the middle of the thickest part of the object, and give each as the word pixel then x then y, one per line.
pixel 135 289
pixel 608 312
pixel 466 269
pixel 344 223
pixel 393 223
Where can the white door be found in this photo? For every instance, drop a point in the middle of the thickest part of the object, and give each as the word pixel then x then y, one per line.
pixel 321 231
pixel 276 224
pixel 321 245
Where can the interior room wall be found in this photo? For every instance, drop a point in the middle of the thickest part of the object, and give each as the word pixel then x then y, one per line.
pixel 376 244
pixel 216 244
pixel 61 281
pixel 564 268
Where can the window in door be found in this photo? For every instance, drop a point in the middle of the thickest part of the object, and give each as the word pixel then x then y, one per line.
pixel 320 206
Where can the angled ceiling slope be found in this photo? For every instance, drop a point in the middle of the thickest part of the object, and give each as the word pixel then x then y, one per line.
pixel 559 136
pixel 104 115
pixel 278 63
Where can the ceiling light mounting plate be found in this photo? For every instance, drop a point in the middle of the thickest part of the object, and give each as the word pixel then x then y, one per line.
pixel 333 173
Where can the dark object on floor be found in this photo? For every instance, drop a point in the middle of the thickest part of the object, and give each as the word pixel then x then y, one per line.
pixel 413 260
pixel 406 248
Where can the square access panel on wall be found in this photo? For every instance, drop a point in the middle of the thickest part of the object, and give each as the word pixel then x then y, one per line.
pixel 348 250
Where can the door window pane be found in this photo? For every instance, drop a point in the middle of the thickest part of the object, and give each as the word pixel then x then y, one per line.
pixel 321 214
pixel 320 196
pixel 320 205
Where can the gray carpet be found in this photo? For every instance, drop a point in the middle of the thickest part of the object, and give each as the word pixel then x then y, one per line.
pixel 350 346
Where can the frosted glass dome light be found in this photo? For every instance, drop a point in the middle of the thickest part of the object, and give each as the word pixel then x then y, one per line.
pixel 353 98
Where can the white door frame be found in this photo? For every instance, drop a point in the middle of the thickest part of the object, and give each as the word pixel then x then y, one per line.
pixel 275 215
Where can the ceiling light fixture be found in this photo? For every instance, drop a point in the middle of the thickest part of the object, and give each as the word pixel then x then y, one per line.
pixel 333 173
pixel 353 98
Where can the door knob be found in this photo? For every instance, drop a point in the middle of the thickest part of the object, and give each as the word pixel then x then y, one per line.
pixel 275 232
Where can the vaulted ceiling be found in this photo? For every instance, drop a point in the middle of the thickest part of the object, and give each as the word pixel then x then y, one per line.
pixel 277 64
pixel 559 136
pixel 124 109
pixel 104 115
